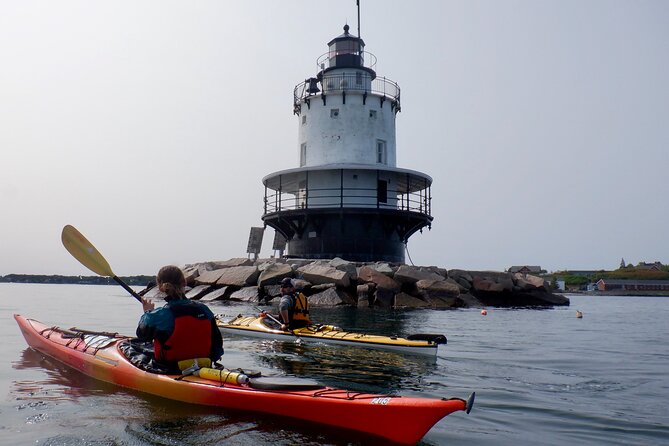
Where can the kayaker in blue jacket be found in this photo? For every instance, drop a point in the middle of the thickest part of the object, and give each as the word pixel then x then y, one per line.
pixel 181 329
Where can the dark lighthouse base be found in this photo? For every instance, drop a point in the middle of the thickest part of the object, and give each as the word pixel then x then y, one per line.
pixel 358 235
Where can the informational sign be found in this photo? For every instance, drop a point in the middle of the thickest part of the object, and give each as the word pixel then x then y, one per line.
pixel 255 240
pixel 279 243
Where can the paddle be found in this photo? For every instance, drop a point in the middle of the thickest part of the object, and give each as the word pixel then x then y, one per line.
pixel 84 251
pixel 278 322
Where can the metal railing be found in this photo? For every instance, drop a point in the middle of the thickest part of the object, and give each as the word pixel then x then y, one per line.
pixel 346 82
pixel 347 197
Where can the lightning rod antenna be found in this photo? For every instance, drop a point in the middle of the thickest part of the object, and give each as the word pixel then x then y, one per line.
pixel 357 2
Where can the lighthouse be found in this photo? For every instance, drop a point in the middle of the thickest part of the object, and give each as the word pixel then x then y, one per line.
pixel 347 198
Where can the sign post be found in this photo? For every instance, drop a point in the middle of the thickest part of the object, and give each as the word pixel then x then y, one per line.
pixel 255 242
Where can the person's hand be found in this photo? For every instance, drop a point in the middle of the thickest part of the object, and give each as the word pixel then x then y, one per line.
pixel 284 327
pixel 147 305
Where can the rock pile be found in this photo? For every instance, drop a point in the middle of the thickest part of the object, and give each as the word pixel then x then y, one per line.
pixel 339 282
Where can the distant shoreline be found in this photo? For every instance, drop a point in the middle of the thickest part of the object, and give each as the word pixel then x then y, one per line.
pixel 143 281
pixel 618 293
pixel 76 280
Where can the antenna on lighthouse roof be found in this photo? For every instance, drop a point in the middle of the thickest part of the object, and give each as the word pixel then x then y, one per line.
pixel 357 2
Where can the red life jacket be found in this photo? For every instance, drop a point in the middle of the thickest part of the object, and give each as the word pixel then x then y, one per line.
pixel 191 337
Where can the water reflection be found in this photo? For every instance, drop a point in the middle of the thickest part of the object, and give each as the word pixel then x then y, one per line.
pixel 239 429
pixel 55 381
pixel 106 415
pixel 352 368
pixel 65 440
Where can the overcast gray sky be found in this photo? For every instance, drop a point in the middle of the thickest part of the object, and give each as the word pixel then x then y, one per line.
pixel 149 125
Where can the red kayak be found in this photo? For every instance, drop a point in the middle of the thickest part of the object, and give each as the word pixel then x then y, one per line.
pixel 403 420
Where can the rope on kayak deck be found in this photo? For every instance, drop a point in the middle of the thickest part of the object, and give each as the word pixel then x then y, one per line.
pixel 350 395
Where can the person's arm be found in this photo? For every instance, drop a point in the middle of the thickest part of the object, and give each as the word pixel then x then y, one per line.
pixel 284 307
pixel 146 328
pixel 216 342
pixel 284 319
pixel 147 304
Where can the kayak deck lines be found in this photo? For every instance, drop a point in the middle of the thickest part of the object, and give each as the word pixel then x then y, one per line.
pixel 90 339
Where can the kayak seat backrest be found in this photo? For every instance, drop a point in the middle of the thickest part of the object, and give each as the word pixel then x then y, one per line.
pixel 434 338
pixel 284 383
pixel 328 328
pixel 271 323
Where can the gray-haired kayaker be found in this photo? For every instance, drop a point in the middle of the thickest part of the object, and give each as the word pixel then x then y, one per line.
pixel 293 307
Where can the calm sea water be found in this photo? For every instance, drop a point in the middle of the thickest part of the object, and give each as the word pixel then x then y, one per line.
pixel 542 377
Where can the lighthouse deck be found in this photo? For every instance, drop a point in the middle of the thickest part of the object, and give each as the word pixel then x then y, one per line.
pixel 348 186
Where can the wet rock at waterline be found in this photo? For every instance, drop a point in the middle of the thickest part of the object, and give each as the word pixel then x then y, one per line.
pixel 338 282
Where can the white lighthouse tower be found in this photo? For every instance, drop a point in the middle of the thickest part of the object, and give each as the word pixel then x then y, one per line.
pixel 347 198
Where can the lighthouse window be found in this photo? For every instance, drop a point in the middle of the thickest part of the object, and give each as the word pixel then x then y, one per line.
pixel 382 191
pixel 303 154
pixel 381 156
pixel 372 114
pixel 304 119
pixel 334 113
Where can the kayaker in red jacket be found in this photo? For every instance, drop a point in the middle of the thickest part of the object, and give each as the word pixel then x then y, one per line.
pixel 181 329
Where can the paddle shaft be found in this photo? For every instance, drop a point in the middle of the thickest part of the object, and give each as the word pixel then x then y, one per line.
pixel 277 321
pixel 127 288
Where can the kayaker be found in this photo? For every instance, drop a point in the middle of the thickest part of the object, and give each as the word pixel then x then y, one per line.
pixel 293 307
pixel 181 329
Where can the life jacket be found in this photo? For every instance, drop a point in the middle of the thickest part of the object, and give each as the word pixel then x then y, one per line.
pixel 301 308
pixel 191 337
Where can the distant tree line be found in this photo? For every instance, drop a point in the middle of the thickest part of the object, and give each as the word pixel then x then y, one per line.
pixel 636 274
pixel 629 272
pixel 82 280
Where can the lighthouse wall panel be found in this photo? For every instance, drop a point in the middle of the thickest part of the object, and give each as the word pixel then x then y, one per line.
pixel 355 238
pixel 350 188
pixel 337 132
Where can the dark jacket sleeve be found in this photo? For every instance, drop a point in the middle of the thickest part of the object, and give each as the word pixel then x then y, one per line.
pixel 146 329
pixel 216 341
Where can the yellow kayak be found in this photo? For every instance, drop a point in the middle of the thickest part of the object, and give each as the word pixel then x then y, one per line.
pixel 264 327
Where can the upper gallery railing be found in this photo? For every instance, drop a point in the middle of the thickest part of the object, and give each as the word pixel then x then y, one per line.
pixel 346 82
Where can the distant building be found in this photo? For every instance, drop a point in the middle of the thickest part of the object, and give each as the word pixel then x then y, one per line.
pixel 655 266
pixel 526 269
pixel 632 285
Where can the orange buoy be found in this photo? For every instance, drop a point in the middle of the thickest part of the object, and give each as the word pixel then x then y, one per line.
pixel 484 312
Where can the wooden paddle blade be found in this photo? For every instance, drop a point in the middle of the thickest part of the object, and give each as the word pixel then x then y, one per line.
pixel 84 251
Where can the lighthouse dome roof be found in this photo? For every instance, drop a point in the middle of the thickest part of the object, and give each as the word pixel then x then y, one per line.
pixel 346 36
